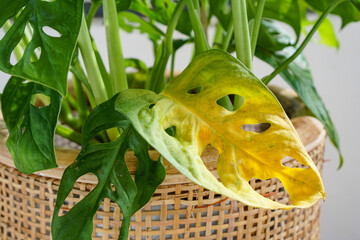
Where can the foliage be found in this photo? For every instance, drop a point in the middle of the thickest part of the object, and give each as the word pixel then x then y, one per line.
pixel 212 102
pixel 200 121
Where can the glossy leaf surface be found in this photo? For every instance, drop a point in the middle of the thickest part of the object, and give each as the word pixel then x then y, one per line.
pixel 107 162
pixel 55 36
pixel 200 121
pixel 31 129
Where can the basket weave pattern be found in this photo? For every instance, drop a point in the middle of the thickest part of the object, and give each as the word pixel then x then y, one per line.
pixel 176 211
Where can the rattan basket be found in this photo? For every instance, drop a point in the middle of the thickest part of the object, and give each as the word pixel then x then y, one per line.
pixel 179 209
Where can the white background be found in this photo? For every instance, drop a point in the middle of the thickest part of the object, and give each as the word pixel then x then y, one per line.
pixel 337 77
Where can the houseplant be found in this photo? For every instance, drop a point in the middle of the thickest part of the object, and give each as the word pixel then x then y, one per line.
pixel 214 100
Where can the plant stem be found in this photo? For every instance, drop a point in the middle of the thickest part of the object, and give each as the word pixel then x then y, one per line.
pixel 256 25
pixel 68 133
pixel 241 32
pixel 156 82
pixel 82 106
pixel 218 38
pixel 307 39
pixel 92 69
pixel 93 9
pixel 172 66
pixel 67 116
pixel 115 54
pixel 229 33
pixel 78 72
pixel 201 43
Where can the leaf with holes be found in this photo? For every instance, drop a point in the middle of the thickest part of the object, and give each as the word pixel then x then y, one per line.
pixel 298 76
pixel 107 162
pixel 31 128
pixel 189 104
pixel 54 38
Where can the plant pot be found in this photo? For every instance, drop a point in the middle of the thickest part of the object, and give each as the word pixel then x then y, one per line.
pixel 179 209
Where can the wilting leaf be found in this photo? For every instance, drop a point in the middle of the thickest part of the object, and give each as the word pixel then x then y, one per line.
pixel 31 129
pixel 54 36
pixel 298 76
pixel 199 121
pixel 107 162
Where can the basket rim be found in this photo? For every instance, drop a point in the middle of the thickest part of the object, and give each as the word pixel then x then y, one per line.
pixel 65 156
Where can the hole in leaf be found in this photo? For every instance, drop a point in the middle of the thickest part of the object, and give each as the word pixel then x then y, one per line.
pixel 171 131
pixel 151 105
pixel 271 188
pixel 74 197
pixel 231 102
pixel 51 32
pixel 109 135
pixel 256 128
pixel 36 56
pixel 210 156
pixel 16 54
pixel 40 100
pixel 292 163
pixel 194 90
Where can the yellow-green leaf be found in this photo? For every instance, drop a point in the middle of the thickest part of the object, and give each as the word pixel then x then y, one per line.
pixel 189 105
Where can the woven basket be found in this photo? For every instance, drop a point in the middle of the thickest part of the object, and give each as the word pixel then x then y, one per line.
pixel 179 209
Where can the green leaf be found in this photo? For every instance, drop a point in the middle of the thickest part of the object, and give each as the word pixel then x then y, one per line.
pixel 266 39
pixel 347 10
pixel 222 10
pixel 327 34
pixel 298 76
pixel 55 36
pixel 161 11
pixel 121 5
pixel 130 21
pixel 31 129
pixel 189 104
pixel 107 162
pixel 287 11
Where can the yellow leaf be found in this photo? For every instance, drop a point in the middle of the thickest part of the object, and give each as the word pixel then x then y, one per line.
pixel 190 104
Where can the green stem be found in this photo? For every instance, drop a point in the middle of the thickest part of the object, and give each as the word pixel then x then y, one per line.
pixel 104 74
pixel 256 26
pixel 307 39
pixel 229 33
pixel 82 106
pixel 172 66
pixel 67 116
pixel 68 134
pixel 93 9
pixel 78 72
pixel 201 43
pixel 241 32
pixel 115 54
pixel 157 82
pixel 92 69
pixel 218 38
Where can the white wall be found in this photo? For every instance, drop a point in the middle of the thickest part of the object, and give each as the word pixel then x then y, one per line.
pixel 337 77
